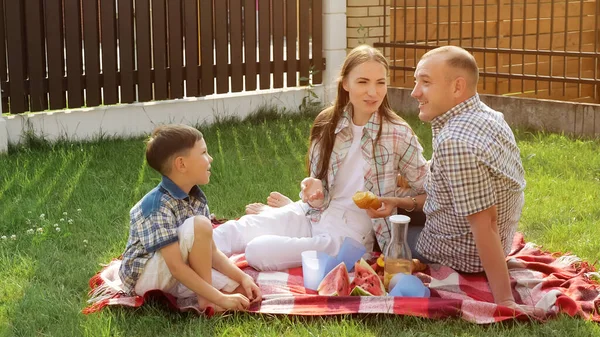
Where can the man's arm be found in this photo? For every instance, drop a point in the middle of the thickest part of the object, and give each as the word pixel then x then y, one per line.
pixel 485 232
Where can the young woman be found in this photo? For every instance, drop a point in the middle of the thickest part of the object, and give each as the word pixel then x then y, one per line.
pixel 358 144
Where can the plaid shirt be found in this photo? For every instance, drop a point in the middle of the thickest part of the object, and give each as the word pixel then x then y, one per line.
pixel 476 164
pixel 154 222
pixel 398 151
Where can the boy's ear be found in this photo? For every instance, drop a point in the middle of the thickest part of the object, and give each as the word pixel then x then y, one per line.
pixel 178 163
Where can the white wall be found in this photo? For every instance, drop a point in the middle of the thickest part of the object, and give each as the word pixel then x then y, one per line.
pixel 334 44
pixel 130 120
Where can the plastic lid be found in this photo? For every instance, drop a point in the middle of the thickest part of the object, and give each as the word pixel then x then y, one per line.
pixel 399 218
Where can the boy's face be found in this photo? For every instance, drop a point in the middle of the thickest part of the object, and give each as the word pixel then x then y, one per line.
pixel 198 163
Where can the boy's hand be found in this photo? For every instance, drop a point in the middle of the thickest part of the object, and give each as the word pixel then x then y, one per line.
pixel 252 290
pixel 233 302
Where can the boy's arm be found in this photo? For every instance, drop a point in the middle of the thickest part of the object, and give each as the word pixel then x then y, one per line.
pixel 189 278
pixel 228 268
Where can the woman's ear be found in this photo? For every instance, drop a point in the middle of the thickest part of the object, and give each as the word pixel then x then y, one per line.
pixel 345 84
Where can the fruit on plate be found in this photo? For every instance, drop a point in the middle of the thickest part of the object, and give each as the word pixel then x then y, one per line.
pixel 366 281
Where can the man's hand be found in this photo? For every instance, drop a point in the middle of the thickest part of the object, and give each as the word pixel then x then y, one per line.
pixel 312 191
pixel 233 302
pixel 526 309
pixel 252 290
pixel 388 205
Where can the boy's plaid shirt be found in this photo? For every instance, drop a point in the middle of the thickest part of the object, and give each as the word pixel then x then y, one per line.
pixel 398 151
pixel 154 222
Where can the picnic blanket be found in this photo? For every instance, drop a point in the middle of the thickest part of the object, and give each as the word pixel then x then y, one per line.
pixel 555 282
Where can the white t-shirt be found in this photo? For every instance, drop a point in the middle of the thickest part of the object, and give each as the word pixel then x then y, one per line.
pixel 350 177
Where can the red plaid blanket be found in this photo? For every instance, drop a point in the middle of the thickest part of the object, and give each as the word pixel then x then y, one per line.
pixel 555 283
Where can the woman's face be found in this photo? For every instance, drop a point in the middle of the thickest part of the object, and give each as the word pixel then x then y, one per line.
pixel 366 85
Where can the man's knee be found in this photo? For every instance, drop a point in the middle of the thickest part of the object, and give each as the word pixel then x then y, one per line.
pixel 202 226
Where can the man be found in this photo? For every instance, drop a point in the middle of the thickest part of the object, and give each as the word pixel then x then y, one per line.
pixel 476 179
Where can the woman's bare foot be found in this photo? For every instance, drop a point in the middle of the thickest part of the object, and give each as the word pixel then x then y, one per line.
pixel 256 208
pixel 276 199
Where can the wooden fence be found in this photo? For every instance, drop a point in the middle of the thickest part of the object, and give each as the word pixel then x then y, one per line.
pixel 531 48
pixel 73 53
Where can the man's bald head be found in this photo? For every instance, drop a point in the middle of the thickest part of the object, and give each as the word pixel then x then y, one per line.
pixel 460 62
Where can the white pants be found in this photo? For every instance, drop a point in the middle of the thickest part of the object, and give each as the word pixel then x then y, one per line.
pixel 156 274
pixel 276 238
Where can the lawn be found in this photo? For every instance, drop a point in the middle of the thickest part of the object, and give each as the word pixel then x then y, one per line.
pixel 67 205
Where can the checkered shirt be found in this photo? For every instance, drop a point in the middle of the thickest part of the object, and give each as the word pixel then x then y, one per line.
pixel 476 164
pixel 153 225
pixel 398 151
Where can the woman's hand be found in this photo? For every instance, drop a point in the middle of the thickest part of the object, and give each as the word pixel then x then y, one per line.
pixel 312 191
pixel 388 205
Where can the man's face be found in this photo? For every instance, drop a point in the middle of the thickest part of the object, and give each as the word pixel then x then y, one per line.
pixel 433 88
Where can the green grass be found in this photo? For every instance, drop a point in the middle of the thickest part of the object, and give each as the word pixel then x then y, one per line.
pixel 43 277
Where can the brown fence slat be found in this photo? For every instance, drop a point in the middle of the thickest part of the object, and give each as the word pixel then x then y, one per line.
pixel 291 34
pixel 206 45
pixel 36 63
pixel 56 54
pixel 278 44
pixel 92 53
pixel 126 51
pixel 264 43
pixel 304 45
pixel 222 58
pixel 15 38
pixel 317 42
pixel 143 50
pixel 250 43
pixel 235 44
pixel 74 59
pixel 108 31
pixel 190 10
pixel 175 49
pixel 159 49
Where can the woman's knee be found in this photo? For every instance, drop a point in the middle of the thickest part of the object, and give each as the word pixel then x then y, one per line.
pixel 257 252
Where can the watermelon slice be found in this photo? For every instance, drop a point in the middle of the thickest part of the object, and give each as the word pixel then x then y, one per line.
pixel 336 282
pixel 366 281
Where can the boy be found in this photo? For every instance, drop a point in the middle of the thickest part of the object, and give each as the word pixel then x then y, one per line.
pixel 170 244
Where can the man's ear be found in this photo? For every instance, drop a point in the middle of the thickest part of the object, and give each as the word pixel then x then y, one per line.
pixel 460 86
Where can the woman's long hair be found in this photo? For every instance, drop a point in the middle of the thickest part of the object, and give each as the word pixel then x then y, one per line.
pixel 322 133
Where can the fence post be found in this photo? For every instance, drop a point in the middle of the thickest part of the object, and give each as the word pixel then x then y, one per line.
pixel 3 131
pixel 334 44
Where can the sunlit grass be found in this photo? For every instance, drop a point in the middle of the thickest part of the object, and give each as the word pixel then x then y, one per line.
pixel 43 278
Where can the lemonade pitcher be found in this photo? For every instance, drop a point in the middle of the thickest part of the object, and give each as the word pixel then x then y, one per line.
pixel 398 258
